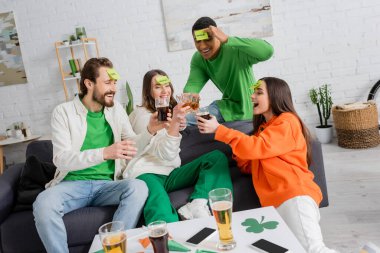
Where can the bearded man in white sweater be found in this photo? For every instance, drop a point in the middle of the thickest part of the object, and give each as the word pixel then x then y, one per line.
pixel 92 141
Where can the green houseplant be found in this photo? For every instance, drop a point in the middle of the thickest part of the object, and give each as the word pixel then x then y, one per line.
pixel 321 97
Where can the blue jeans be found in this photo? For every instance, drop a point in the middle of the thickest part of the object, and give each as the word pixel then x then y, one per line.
pixel 213 110
pixel 54 202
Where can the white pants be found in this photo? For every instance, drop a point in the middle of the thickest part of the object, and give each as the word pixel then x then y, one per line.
pixel 301 214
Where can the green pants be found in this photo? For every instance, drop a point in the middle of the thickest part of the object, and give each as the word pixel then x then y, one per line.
pixel 207 172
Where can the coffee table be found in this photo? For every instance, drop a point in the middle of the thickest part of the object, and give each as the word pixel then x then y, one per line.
pixel 182 230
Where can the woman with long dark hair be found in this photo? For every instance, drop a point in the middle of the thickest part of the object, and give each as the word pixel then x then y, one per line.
pixel 278 157
pixel 160 165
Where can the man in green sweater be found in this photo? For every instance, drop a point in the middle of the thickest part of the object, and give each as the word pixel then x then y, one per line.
pixel 227 62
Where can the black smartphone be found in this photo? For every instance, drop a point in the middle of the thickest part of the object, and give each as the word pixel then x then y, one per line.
pixel 268 247
pixel 200 236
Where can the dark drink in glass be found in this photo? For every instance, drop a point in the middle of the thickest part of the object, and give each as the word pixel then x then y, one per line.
pixel 163 113
pixel 162 106
pixel 158 236
pixel 160 242
pixel 205 115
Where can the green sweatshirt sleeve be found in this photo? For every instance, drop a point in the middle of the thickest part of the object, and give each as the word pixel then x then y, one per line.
pixel 255 50
pixel 197 77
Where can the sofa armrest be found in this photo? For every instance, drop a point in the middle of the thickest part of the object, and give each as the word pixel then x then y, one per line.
pixel 8 184
pixel 318 168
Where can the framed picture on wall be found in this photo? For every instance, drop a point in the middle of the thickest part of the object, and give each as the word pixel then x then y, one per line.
pixel 242 18
pixel 11 65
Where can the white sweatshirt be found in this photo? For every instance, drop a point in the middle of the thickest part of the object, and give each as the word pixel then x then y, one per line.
pixel 161 156
pixel 69 128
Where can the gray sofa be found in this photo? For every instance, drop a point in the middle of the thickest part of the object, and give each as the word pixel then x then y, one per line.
pixel 17 229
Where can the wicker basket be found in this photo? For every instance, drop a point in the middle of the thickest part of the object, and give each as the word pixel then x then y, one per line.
pixel 357 128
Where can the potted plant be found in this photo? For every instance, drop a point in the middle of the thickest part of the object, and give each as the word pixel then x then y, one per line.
pixel 65 42
pixel 321 97
pixel 80 35
pixel 73 39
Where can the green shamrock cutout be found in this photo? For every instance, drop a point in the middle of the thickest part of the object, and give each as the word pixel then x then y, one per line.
pixel 254 226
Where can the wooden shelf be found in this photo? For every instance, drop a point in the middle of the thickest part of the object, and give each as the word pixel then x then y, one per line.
pixel 73 49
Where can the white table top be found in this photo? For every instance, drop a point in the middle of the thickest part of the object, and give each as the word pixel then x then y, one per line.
pixel 183 230
pixel 11 140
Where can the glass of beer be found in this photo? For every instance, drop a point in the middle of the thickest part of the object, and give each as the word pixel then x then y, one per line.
pixel 189 99
pixel 113 237
pixel 158 236
pixel 162 106
pixel 221 205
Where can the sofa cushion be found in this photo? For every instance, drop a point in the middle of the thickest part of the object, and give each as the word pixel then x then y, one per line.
pixel 43 150
pixel 34 176
pixel 81 226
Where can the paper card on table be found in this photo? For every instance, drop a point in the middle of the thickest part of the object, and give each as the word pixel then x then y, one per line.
pixel 200 35
pixel 254 226
pixel 204 251
pixel 113 74
pixel 145 242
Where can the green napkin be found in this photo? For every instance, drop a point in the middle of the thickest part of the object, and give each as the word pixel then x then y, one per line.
pixel 175 246
pixel 204 251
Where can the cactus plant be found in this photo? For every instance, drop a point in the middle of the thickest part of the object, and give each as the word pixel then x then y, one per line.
pixel 321 97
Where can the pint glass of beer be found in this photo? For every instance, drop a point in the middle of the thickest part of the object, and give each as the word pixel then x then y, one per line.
pixel 158 236
pixel 162 106
pixel 221 205
pixel 113 237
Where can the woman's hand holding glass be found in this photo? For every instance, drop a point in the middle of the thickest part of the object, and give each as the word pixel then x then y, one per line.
pixel 154 124
pixel 207 126
pixel 178 120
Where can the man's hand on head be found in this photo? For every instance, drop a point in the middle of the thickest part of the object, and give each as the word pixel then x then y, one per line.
pixel 217 33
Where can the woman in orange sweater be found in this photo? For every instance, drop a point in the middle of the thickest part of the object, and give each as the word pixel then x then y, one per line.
pixel 278 155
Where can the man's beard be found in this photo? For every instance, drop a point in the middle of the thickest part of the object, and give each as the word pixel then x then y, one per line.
pixel 100 98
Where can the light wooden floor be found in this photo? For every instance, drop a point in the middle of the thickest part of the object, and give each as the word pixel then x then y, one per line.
pixel 353 183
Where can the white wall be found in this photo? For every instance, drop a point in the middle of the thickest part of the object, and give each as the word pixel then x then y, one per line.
pixel 315 41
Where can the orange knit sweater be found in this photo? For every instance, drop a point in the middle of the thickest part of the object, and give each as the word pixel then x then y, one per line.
pixel 276 157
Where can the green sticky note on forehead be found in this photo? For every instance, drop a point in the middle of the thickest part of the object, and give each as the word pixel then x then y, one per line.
pixel 256 85
pixel 162 80
pixel 200 35
pixel 113 74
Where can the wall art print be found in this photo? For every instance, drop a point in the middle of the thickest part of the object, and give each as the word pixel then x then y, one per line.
pixel 11 66
pixel 243 18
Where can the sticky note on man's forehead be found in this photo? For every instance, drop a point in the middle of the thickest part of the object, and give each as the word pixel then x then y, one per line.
pixel 200 35
pixel 162 80
pixel 113 74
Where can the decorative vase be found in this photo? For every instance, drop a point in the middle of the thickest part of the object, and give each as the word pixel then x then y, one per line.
pixel 324 133
pixel 19 135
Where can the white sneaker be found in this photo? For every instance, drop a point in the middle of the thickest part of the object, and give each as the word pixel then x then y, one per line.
pixel 193 211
